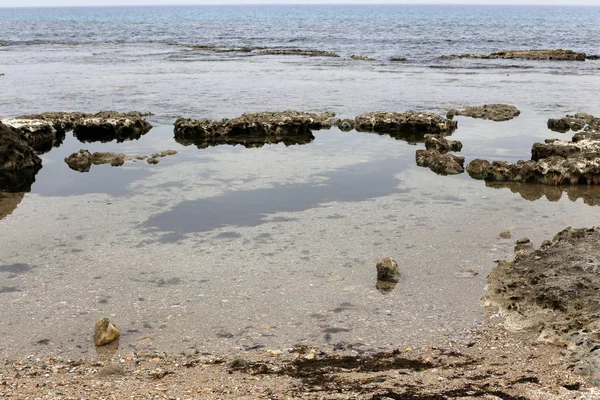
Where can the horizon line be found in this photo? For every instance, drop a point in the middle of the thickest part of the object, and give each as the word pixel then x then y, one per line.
pixel 279 3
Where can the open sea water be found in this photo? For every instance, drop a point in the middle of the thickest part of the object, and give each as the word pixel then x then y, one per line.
pixel 233 249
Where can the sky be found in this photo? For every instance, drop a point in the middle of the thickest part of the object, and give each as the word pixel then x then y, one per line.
pixel 52 3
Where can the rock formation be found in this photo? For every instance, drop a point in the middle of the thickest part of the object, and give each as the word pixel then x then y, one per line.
pixel 553 292
pixel 18 162
pixel 361 58
pixel 574 122
pixel 298 52
pixel 554 55
pixel 253 130
pixel 83 160
pixel 221 49
pixel 494 112
pixel 388 270
pixel 555 162
pixel 345 125
pixel 441 144
pixel 409 125
pixel 105 332
pixel 398 59
pixel 440 163
pixel 43 131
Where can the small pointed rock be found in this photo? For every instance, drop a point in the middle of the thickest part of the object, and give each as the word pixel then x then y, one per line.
pixel 106 332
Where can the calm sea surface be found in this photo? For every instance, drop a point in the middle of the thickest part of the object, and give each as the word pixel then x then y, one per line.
pixel 231 249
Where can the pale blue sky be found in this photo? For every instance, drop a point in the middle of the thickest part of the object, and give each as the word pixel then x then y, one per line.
pixel 49 3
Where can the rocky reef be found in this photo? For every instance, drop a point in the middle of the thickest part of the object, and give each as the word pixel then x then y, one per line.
pixel 575 122
pixel 361 58
pixel 409 125
pixel 18 162
pixel 298 52
pixel 553 292
pixel 555 162
pixel 221 49
pixel 83 160
pixel 494 112
pixel 554 55
pixel 47 130
pixel 253 130
pixel 436 157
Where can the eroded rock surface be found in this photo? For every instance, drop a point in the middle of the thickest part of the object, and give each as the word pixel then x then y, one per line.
pixel 553 292
pixel 494 112
pixel 18 162
pixel 554 55
pixel 253 130
pixel 105 332
pixel 409 125
pixel 388 270
pixel 440 163
pixel 298 52
pixel 555 162
pixel 83 160
pixel 575 122
pixel 441 144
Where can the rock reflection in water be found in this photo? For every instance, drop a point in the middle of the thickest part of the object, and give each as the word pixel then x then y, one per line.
pixel 247 141
pixel 533 192
pixel 9 203
pixel 385 287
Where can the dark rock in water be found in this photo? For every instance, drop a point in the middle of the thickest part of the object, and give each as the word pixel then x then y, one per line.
pixel 553 55
pixel 298 52
pixel 107 126
pixel 399 125
pixel 553 292
pixel 345 125
pixel 574 122
pixel 253 130
pixel 105 332
pixel 18 162
pixel 222 49
pixel 40 134
pixel 83 160
pixel 388 270
pixel 441 144
pixel 361 58
pixel 441 164
pixel 494 112
pixel 398 59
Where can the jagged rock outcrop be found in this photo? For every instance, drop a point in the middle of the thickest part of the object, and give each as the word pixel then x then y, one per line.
pixel 298 52
pixel 253 130
pixel 18 162
pixel 553 292
pixel 83 160
pixel 440 163
pixel 575 122
pixel 494 112
pixel 554 55
pixel 410 124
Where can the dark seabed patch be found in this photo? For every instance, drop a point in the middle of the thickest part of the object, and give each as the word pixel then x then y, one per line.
pixel 16 268
pixel 357 182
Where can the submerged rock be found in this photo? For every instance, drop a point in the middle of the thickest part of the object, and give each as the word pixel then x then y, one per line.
pixel 361 58
pixel 105 332
pixel 385 287
pixel 398 59
pixel 253 130
pixel 9 203
pixel 494 112
pixel 440 163
pixel 298 52
pixel 412 123
pixel 83 160
pixel 388 270
pixel 441 144
pixel 554 55
pixel 345 125
pixel 18 162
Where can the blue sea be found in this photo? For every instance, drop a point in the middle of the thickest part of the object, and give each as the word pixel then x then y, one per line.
pixel 230 249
